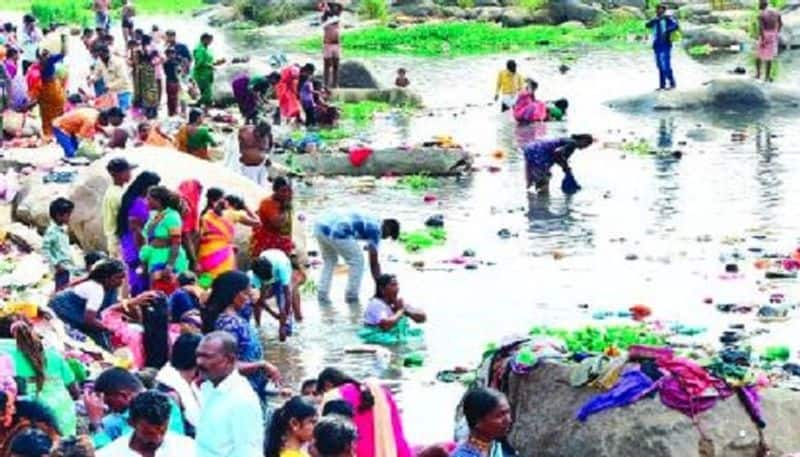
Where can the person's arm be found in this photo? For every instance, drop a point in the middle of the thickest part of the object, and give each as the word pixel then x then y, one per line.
pixel 651 23
pixel 374 263
pixel 498 85
pixel 389 322
pixel 560 157
pixel 416 315
pixel 246 217
pixel 672 25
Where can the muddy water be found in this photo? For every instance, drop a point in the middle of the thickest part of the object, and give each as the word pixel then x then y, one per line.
pixel 676 217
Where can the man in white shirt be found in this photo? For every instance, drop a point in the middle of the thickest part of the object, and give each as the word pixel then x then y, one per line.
pixel 149 417
pixel 231 420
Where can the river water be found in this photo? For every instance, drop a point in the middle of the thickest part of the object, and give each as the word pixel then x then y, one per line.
pixel 677 216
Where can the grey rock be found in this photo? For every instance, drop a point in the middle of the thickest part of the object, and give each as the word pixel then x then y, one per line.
pixel 489 13
pixel 626 13
pixel 355 75
pixel 724 94
pixel 481 3
pixel 424 8
pixel 717 37
pixel 518 17
pixel 790 34
pixel 573 10
pixel 692 10
pixel 453 11
pixel 544 405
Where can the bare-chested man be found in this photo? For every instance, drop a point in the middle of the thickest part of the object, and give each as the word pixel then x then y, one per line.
pixel 255 142
pixel 769 29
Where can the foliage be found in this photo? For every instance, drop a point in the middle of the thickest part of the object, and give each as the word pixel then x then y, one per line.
pixel 374 9
pixel 465 3
pixel 701 50
pixel 275 13
pixel 423 239
pixel 594 340
pixel 62 12
pixel 531 5
pixel 363 112
pixel 469 38
pixel 640 147
pixel 417 183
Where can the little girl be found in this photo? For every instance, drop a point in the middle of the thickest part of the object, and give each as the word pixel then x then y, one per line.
pixel 291 429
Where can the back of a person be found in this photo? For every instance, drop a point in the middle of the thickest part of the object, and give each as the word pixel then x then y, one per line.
pixel 76 120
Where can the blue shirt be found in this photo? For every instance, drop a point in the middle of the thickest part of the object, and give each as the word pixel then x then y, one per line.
pixel 116 425
pixel 662 29
pixel 349 225
pixel 281 269
pixel 181 302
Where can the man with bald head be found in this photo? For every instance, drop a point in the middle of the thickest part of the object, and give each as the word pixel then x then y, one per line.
pixel 231 421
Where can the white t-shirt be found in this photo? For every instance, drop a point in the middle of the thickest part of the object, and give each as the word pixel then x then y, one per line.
pixel 377 310
pixel 92 292
pixel 174 445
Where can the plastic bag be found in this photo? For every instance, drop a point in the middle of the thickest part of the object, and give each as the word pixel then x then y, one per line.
pixel 569 185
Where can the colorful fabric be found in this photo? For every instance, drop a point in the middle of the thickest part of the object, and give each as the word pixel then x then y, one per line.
pixel 401 333
pixel 508 83
pixel 54 393
pixel 165 225
pixel 249 347
pixel 380 429
pixel 147 83
pixel 130 251
pixel 245 97
pixel 203 73
pixel 768 45
pixel 190 192
pixel 51 104
pixel 287 92
pixel 215 254
pixel 265 237
pixel 632 385
pixel 80 122
pixel 125 335
pixel 528 109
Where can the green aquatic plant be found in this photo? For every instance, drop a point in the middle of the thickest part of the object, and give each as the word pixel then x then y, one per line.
pixel 639 147
pixel 594 339
pixel 309 287
pixel 465 3
pixel 470 38
pixel 363 112
pixel 417 182
pixel 374 9
pixel 75 12
pixel 419 240
pixel 702 50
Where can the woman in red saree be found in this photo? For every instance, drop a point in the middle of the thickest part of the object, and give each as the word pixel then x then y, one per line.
pixel 275 214
pixel 287 91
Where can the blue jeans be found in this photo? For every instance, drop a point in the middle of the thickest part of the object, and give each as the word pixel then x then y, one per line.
pixel 124 101
pixel 664 64
pixel 67 142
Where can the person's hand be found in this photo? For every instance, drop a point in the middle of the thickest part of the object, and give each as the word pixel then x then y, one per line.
pixel 272 372
pixel 95 406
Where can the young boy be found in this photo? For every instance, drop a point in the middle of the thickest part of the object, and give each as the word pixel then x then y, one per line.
pixel 172 70
pixel 56 241
pixel 401 81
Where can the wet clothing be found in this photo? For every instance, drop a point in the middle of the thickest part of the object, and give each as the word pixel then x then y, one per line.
pixel 632 385
pixel 203 73
pixel 245 96
pixel 540 158
pixel 768 45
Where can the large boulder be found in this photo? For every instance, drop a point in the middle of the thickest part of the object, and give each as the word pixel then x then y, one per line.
pixel 713 36
pixel 520 17
pixel 88 189
pixel 692 11
pixel 726 94
pixel 626 13
pixel 489 13
pixel 544 405
pixel 354 75
pixel 790 33
pixel 573 10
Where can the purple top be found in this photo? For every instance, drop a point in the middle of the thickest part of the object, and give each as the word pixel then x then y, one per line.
pixel 307 94
pixel 244 96
pixel 139 211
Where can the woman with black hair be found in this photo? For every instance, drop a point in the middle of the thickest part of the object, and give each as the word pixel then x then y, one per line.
pixel 488 416
pixel 368 399
pixel 163 256
pixel 132 216
pixel 387 309
pixel 80 305
pixel 229 299
pixel 47 376
pixel 180 374
pixel 291 429
pixel 25 416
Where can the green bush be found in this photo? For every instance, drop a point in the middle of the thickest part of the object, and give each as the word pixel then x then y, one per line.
pixel 465 3
pixel 374 9
pixel 531 5
pixel 74 12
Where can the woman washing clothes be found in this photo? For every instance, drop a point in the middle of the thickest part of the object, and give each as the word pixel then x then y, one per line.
pixel 387 310
pixel 527 109
pixel 288 93
pixel 216 252
pixel 230 295
pixel 541 155
pixel 133 214
pixel 163 257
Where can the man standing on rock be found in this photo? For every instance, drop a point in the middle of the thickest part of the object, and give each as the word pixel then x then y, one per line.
pixel 663 26
pixel 769 29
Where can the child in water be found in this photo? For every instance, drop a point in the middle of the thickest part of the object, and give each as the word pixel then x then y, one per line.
pixel 541 155
pixel 401 81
